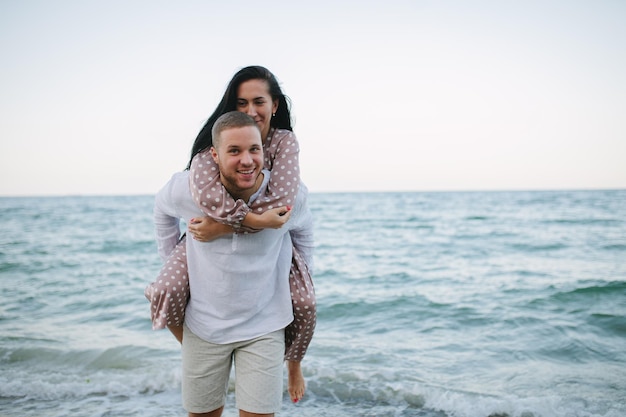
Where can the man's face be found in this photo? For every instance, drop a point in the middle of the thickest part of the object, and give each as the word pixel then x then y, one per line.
pixel 240 160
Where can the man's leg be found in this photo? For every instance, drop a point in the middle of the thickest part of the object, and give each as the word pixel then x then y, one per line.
pixel 206 369
pixel 259 375
pixel 214 413
pixel 247 414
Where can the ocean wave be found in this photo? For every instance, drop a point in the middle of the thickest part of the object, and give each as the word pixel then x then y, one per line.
pixel 10 266
pixel 330 392
pixel 118 375
pixel 57 378
pixel 477 218
pixel 584 222
pixel 613 288
pixel 546 247
pixel 63 386
pixel 118 357
pixel 372 394
pixel 615 247
pixel 611 324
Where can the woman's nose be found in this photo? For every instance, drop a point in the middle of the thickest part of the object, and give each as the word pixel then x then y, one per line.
pixel 251 110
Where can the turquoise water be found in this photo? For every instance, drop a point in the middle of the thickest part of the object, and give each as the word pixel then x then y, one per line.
pixel 430 304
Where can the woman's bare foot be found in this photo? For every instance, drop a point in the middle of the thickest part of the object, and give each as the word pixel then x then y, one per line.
pixel 296 385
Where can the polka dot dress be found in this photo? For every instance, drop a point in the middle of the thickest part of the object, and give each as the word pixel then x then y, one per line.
pixel 299 333
pixel 169 294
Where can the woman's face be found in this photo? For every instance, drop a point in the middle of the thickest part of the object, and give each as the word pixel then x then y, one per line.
pixel 254 99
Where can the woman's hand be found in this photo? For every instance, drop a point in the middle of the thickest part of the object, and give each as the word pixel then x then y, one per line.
pixel 271 219
pixel 205 229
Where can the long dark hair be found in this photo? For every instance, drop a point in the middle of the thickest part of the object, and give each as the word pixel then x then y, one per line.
pixel 282 119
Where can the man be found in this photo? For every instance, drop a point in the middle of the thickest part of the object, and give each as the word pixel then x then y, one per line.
pixel 240 301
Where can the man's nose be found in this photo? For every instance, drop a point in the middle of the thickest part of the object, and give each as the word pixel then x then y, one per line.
pixel 246 158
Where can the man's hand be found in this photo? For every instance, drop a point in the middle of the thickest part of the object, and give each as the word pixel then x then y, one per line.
pixel 205 229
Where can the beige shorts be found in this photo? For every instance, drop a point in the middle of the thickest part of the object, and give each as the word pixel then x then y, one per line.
pixel 258 373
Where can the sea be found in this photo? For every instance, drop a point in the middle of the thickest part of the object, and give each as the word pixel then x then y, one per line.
pixel 430 304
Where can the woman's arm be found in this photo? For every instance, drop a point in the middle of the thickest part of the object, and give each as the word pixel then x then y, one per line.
pixel 281 153
pixel 205 229
pixel 209 194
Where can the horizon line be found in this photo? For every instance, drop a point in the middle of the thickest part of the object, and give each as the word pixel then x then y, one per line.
pixel 486 190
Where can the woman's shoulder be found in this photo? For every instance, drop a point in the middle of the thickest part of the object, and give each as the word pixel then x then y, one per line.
pixel 203 154
pixel 282 137
pixel 283 133
pixel 200 159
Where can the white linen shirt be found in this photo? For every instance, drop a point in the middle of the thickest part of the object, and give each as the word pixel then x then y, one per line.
pixel 239 283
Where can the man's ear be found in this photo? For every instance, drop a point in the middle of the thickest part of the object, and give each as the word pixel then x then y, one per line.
pixel 214 155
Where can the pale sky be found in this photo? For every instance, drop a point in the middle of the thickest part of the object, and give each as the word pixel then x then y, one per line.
pixel 107 97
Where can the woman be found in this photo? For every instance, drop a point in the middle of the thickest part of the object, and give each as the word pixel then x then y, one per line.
pixel 255 91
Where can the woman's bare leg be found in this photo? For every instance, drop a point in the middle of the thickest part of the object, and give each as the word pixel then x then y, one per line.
pixel 299 333
pixel 296 385
pixel 177 331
